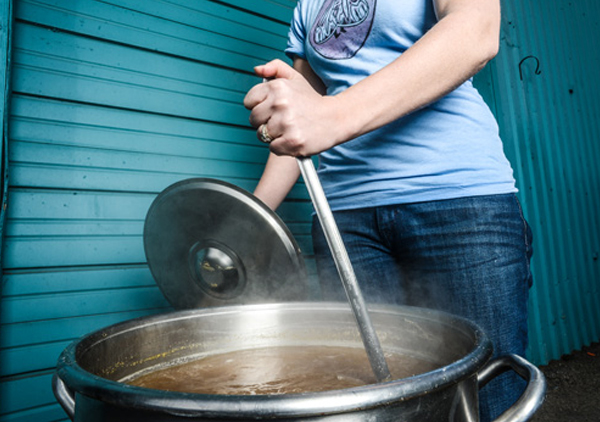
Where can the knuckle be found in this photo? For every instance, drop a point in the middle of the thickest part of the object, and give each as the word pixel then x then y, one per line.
pixel 296 144
pixel 279 87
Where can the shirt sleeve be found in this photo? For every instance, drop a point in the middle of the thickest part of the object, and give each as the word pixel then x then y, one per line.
pixel 297 34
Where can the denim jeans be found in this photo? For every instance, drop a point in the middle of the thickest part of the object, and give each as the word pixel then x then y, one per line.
pixel 467 256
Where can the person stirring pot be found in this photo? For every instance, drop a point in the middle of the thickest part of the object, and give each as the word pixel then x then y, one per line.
pixel 409 156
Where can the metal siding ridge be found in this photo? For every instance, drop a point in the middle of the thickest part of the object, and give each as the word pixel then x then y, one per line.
pixel 6 41
pixel 153 33
pixel 26 393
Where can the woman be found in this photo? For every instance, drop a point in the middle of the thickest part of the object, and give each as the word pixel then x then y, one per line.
pixel 409 157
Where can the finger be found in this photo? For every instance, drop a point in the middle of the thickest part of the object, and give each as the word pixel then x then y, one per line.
pixel 255 96
pixel 260 114
pixel 263 134
pixel 275 69
pixel 279 147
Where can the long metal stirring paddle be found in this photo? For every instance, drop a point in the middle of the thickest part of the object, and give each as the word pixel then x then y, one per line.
pixel 345 270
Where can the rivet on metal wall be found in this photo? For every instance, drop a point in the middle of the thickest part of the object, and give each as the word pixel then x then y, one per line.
pixel 537 68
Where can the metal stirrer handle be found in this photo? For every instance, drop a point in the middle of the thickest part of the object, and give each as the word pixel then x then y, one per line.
pixel 345 270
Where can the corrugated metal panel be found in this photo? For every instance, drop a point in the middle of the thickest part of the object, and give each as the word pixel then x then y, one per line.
pixel 550 123
pixel 113 101
pixel 6 14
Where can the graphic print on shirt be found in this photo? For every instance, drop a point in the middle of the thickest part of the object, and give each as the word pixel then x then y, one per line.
pixel 342 27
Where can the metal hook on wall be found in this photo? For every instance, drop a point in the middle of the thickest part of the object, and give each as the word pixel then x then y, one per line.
pixel 537 68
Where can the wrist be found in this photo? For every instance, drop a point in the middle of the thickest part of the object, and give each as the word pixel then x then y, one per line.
pixel 340 120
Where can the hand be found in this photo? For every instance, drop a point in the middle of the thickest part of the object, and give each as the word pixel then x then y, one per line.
pixel 300 120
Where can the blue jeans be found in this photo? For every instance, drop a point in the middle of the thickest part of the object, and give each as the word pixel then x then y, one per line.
pixel 467 256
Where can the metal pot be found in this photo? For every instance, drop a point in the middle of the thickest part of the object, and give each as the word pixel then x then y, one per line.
pixel 87 383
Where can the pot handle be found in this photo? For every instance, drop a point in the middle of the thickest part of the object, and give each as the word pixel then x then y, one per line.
pixel 534 393
pixel 65 397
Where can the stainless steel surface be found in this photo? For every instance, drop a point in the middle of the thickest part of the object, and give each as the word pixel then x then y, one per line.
pixel 90 368
pixel 64 396
pixel 345 270
pixel 533 396
pixel 210 243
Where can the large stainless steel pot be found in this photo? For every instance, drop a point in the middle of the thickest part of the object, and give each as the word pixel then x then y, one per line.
pixel 87 382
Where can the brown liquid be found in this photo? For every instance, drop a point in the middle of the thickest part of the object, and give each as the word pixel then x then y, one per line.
pixel 278 370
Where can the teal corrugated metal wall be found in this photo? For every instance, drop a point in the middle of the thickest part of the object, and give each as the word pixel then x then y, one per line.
pixel 5 68
pixel 113 101
pixel 550 124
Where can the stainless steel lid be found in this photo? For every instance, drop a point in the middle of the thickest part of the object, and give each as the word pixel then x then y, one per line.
pixel 210 243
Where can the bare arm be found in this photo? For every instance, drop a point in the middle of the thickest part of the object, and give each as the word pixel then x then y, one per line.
pixel 282 172
pixel 278 178
pixel 304 122
pixel 458 46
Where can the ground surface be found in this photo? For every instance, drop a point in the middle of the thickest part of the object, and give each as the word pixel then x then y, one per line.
pixel 573 388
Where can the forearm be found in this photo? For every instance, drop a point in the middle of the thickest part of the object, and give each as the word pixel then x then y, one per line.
pixel 456 48
pixel 278 178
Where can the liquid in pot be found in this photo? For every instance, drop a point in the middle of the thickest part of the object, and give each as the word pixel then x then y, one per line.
pixel 278 370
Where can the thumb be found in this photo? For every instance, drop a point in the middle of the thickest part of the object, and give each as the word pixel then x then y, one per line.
pixel 275 69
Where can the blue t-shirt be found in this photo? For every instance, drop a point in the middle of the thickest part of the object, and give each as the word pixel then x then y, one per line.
pixel 449 149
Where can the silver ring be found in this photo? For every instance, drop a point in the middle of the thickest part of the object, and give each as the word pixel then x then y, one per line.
pixel 264 135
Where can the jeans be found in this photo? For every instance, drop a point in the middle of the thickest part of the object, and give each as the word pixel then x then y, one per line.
pixel 467 256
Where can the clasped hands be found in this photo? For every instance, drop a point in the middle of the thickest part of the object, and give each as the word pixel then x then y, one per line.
pixel 289 114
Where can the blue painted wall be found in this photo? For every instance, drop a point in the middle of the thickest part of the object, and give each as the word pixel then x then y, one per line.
pixel 5 68
pixel 112 102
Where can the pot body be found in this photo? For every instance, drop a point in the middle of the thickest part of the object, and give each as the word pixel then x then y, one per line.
pixel 91 370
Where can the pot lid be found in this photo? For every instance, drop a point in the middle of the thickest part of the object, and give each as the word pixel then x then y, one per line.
pixel 210 243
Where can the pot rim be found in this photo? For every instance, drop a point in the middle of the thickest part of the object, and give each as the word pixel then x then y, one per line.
pixel 291 405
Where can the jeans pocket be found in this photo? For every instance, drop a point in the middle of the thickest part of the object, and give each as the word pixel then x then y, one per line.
pixel 528 240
